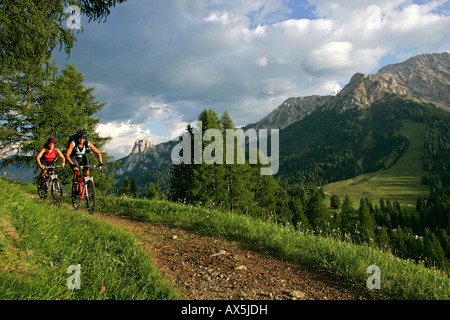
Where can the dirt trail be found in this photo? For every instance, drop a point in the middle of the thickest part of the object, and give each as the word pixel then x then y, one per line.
pixel 210 268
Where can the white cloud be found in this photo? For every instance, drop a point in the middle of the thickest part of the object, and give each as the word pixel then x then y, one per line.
pixel 167 60
pixel 262 62
pixel 123 136
pixel 330 58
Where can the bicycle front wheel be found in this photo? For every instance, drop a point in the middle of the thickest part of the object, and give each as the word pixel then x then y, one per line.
pixel 75 196
pixel 57 191
pixel 42 188
pixel 91 199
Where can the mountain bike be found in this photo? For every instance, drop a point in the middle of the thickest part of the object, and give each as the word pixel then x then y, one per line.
pixel 84 189
pixel 50 182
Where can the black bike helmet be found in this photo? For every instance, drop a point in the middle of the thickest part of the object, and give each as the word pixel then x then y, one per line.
pixel 82 133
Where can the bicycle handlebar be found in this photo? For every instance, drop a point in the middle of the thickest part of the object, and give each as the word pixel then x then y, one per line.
pixel 53 167
pixel 89 167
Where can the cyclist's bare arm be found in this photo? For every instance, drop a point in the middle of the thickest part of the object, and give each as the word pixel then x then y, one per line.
pixel 68 153
pixel 96 151
pixel 38 158
pixel 61 156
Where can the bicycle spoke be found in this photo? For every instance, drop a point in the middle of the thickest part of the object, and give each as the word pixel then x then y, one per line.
pixel 75 196
pixel 91 199
pixel 57 191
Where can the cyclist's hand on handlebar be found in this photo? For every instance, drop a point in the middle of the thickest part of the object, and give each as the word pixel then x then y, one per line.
pixel 42 167
pixel 100 165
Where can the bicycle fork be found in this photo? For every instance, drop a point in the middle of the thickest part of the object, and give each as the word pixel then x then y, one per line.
pixel 82 187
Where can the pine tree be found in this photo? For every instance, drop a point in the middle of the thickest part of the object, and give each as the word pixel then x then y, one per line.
pixel 239 195
pixel 124 190
pixel 182 175
pixel 382 238
pixel 347 216
pixel 334 201
pixel 367 223
pixel 299 218
pixel 433 250
pixel 29 32
pixel 133 190
pixel 316 212
pixel 154 192
pixel 63 105
pixel 209 182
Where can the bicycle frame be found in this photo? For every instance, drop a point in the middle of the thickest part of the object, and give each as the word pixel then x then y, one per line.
pixel 82 185
pixel 48 179
pixel 82 189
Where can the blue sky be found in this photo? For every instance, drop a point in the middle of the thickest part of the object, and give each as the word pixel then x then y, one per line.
pixel 158 64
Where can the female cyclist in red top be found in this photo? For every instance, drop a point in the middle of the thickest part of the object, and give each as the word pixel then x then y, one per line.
pixel 47 156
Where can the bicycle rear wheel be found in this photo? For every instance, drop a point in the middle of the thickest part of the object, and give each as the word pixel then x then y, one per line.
pixel 56 189
pixel 91 199
pixel 76 201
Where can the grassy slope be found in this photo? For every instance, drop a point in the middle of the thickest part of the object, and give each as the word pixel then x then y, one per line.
pixel 401 182
pixel 400 279
pixel 39 241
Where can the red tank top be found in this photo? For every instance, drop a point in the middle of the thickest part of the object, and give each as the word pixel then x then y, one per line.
pixel 50 155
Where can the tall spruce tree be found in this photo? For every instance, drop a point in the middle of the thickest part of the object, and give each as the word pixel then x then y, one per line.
pixel 209 178
pixel 182 174
pixel 30 30
pixel 232 186
pixel 64 105
pixel 316 212
pixel 347 215
pixel 367 223
pixel 238 196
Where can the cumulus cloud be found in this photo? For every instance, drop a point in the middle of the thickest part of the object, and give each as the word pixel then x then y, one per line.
pixel 123 136
pixel 164 61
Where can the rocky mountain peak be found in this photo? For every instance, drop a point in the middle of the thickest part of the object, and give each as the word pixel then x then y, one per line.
pixel 141 146
pixel 290 111
pixel 425 77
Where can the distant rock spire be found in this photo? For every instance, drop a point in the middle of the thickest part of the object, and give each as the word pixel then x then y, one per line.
pixel 141 146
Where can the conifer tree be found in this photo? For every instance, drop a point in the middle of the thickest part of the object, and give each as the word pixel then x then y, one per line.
pixel 63 106
pixel 30 30
pixel 316 212
pixel 239 196
pixel 299 217
pixel 154 192
pixel 347 213
pixel 133 190
pixel 182 174
pixel 367 223
pixel 209 183
pixel 334 201
pixel 382 238
pixel 433 250
pixel 124 190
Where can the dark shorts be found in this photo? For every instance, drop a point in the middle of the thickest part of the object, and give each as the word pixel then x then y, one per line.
pixel 47 163
pixel 80 161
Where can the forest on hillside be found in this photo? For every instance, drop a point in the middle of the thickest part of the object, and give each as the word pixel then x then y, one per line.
pixel 292 197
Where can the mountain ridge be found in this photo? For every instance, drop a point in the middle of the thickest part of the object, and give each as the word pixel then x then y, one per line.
pixel 423 78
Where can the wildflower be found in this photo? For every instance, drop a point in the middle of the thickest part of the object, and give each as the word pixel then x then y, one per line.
pixel 102 289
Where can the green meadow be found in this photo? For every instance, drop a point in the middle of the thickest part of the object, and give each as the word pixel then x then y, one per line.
pixel 401 182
